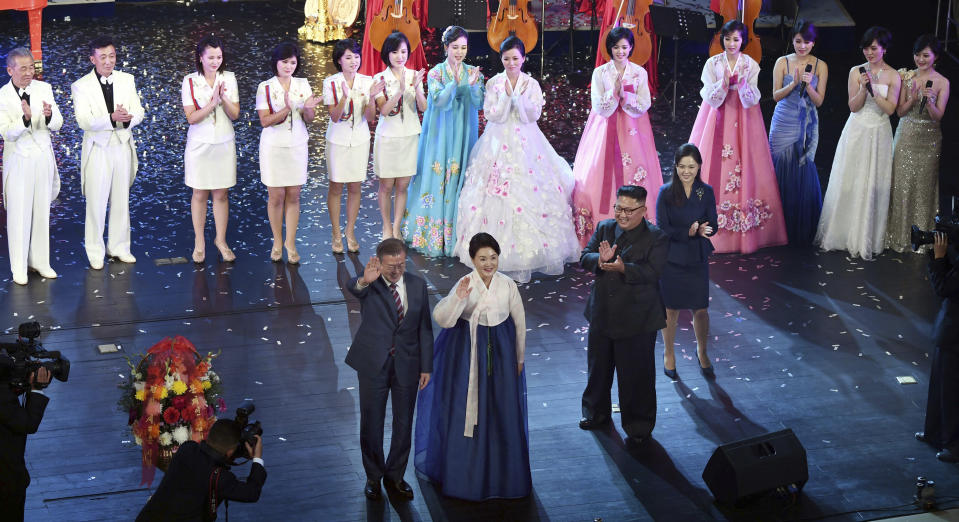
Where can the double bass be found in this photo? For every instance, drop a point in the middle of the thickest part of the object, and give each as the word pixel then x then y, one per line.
pixel 730 10
pixel 632 15
pixel 512 20
pixel 395 15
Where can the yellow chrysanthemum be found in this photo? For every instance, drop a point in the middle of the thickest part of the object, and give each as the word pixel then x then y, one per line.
pixel 206 385
pixel 140 395
pixel 179 387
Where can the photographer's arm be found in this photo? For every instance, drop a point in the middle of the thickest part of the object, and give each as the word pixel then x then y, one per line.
pixel 24 420
pixel 942 273
pixel 231 488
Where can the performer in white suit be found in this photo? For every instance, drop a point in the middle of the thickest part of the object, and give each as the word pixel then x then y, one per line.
pixel 107 106
pixel 28 113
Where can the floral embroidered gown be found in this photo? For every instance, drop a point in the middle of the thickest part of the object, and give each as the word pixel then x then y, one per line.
pixel 731 137
pixel 450 128
pixel 517 187
pixel 617 148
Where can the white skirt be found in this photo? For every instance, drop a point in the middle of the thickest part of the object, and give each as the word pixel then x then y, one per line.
pixel 395 157
pixel 209 166
pixel 347 164
pixel 283 166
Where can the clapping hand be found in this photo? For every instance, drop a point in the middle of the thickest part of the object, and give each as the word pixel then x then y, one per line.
pixel 694 229
pixel 286 100
pixel 217 94
pixel 312 102
pixel 463 289
pixel 474 75
pixel 47 109
pixel 27 113
pixel 418 79
pixel 615 266
pixel 377 87
pixel 606 252
pixel 372 270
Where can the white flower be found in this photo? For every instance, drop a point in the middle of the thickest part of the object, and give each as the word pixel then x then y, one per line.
pixel 138 440
pixel 138 386
pixel 166 438
pixel 168 382
pixel 181 434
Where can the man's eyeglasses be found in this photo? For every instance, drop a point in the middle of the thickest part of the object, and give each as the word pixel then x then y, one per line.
pixel 626 211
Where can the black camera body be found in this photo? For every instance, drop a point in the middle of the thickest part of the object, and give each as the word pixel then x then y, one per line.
pixel 949 227
pixel 20 359
pixel 248 430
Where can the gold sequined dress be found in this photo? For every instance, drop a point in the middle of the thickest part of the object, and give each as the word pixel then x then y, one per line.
pixel 915 175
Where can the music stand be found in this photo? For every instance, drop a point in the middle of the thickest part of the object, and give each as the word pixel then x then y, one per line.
pixel 679 24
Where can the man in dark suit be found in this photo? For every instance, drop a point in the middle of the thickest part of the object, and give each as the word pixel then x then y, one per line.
pixel 625 311
pixel 184 493
pixel 16 422
pixel 942 407
pixel 392 353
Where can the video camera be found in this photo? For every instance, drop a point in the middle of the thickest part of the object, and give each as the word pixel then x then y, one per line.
pixel 20 359
pixel 950 227
pixel 248 430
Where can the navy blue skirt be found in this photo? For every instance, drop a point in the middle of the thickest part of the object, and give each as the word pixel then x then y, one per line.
pixel 685 287
pixel 494 462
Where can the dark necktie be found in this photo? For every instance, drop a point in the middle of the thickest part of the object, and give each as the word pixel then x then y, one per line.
pixel 398 301
pixel 24 96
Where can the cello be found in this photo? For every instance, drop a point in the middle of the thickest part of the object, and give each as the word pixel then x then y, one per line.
pixel 634 19
pixel 512 20
pixel 730 10
pixel 395 15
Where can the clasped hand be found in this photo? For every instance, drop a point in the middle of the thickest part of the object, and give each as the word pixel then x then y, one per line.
pixel 121 114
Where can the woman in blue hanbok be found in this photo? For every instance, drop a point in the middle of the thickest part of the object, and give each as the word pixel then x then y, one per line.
pixel 450 128
pixel 799 84
pixel 472 437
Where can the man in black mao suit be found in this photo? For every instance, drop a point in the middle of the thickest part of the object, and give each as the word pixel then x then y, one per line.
pixel 942 407
pixel 16 422
pixel 184 492
pixel 392 353
pixel 625 312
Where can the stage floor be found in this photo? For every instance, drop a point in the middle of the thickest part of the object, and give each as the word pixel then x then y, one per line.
pixel 800 339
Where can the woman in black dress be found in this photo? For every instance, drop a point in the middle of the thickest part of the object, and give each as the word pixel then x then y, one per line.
pixel 686 211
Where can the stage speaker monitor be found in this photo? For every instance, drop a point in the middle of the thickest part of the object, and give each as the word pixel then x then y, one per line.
pixel 468 14
pixel 747 467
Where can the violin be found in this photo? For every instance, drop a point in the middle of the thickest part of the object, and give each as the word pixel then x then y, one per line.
pixel 512 20
pixel 395 15
pixel 746 11
pixel 633 17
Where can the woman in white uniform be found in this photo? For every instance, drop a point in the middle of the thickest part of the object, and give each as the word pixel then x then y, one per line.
pixel 398 129
pixel 212 104
pixel 348 95
pixel 285 105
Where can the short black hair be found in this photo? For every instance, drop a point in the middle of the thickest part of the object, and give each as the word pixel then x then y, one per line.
pixel 340 48
pixel 99 43
pixel 283 51
pixel 482 240
pixel 927 40
pixel 880 35
pixel 632 191
pixel 453 33
pixel 214 42
pixel 676 191
pixel 615 35
pixel 737 26
pixel 805 29
pixel 390 247
pixel 224 435
pixel 512 42
pixel 392 43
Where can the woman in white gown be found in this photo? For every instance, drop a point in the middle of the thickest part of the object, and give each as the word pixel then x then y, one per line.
pixel 856 205
pixel 517 187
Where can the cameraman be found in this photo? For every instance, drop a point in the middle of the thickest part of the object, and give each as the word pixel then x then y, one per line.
pixel 942 408
pixel 198 469
pixel 17 420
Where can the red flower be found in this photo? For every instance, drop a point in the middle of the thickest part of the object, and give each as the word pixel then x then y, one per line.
pixel 171 415
pixel 180 402
pixel 154 371
pixel 188 413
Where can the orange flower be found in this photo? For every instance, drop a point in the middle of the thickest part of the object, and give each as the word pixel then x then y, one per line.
pixel 154 431
pixel 196 387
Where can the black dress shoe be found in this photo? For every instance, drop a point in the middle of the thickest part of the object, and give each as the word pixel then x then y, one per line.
pixel 708 372
pixel 948 455
pixel 587 423
pixel 921 436
pixel 372 489
pixel 672 374
pixel 400 487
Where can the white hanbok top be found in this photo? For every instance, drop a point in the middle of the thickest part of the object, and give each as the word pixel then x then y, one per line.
pixel 488 307
pixel 197 93
pixel 713 91
pixel 635 99
pixel 292 131
pixel 352 129
pixel 404 120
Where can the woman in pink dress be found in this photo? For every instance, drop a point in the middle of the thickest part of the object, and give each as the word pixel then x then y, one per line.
pixel 731 135
pixel 617 146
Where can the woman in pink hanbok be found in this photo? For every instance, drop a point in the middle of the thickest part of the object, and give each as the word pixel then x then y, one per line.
pixel 731 135
pixel 617 146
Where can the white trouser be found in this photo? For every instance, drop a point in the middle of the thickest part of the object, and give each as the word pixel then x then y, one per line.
pixel 27 193
pixel 107 179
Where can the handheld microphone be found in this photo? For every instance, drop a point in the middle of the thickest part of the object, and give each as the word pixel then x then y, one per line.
pixel 862 70
pixel 922 104
pixel 802 86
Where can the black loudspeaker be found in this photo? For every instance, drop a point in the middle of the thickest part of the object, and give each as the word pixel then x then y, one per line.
pixel 759 464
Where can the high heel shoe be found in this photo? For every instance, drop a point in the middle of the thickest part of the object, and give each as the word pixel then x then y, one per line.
pixel 337 244
pixel 708 372
pixel 198 256
pixel 225 253
pixel 276 255
pixel 672 374
pixel 352 245
pixel 292 257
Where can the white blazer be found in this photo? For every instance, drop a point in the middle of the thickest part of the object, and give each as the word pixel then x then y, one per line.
pixel 292 131
pixel 196 92
pixel 21 140
pixel 90 110
pixel 353 130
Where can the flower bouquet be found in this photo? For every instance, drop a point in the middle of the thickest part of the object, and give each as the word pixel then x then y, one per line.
pixel 172 396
